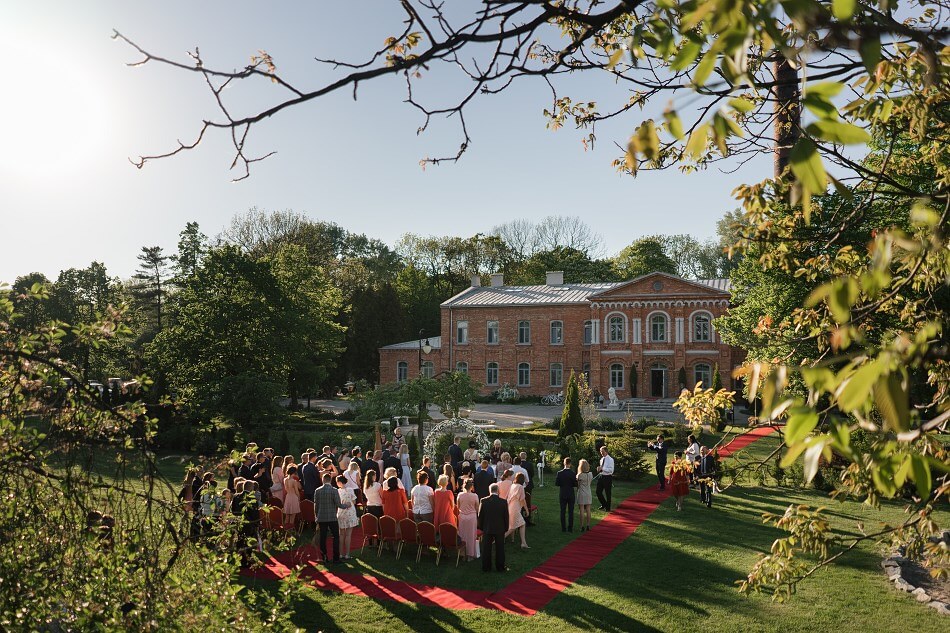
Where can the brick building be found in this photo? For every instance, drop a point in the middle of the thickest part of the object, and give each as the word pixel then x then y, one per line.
pixel 633 336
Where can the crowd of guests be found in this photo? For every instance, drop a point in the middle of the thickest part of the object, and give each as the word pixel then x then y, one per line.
pixel 694 467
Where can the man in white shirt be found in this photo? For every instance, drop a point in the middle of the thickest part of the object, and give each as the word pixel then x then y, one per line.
pixel 605 482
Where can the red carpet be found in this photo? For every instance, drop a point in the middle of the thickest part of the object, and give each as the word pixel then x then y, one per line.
pixel 524 596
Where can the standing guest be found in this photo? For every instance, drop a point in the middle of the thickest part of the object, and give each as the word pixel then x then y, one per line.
pixel 495 454
pixel 517 508
pixel 529 486
pixel 659 447
pixel 505 484
pixel 680 470
pixel 358 458
pixel 471 453
pixel 374 462
pixel 394 500
pixel 449 472
pixel 493 522
pixel 371 488
pixel 233 472
pixel 251 515
pixel 277 476
pixel 326 502
pixel 566 481
pixel 516 468
pixel 245 469
pixel 427 467
pixel 443 503
pixel 468 519
pixel 292 492
pixel 503 464
pixel 484 478
pixel 406 473
pixel 391 472
pixel 706 476
pixel 398 440
pixel 344 460
pixel 393 462
pixel 466 475
pixel 346 517
pixel 328 454
pixel 288 462
pixel 310 476
pixel 186 494
pixel 584 497
pixel 260 472
pixel 351 478
pixel 209 502
pixel 455 454
pixel 422 499
pixel 692 454
pixel 605 482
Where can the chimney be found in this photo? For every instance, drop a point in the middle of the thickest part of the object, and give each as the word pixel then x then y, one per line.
pixel 555 278
pixel 476 280
pixel 497 280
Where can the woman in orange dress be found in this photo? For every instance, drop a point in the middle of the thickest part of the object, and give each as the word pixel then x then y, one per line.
pixel 443 503
pixel 679 478
pixel 395 503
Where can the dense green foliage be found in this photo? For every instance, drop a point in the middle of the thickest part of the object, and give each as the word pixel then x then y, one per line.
pixel 572 421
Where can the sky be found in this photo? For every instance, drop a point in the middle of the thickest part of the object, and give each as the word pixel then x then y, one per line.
pixel 73 113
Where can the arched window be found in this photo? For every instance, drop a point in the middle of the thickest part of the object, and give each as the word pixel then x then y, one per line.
pixel 428 368
pixel 524 375
pixel 402 371
pixel 616 329
pixel 461 366
pixel 616 376
pixel 557 332
pixel 702 372
pixel 659 330
pixel 491 374
pixel 702 327
pixel 557 374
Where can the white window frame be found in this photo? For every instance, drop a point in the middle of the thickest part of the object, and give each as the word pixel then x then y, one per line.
pixel 402 371
pixel 614 372
pixel 610 331
pixel 461 332
pixel 694 322
pixel 557 326
pixel 428 368
pixel 666 327
pixel 590 332
pixel 491 333
pixel 526 340
pixel 461 366
pixel 526 367
pixel 559 368
pixel 489 368
pixel 707 384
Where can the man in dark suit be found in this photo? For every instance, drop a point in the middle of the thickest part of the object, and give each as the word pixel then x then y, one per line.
pixel 660 448
pixel 393 462
pixel 566 480
pixel 455 456
pixel 493 522
pixel 706 475
pixel 310 476
pixel 484 478
pixel 427 469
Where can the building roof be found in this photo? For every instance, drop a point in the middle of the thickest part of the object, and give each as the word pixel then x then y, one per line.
pixel 434 341
pixel 548 295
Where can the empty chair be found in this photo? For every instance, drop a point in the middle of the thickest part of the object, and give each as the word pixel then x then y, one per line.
pixel 407 534
pixel 449 540
pixel 370 526
pixel 387 532
pixel 307 515
pixel 426 533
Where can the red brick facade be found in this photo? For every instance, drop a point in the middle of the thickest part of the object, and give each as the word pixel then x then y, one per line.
pixel 628 317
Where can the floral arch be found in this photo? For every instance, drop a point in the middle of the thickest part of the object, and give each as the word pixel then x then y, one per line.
pixel 457 426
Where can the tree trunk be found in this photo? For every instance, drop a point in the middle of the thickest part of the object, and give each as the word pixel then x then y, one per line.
pixel 788 112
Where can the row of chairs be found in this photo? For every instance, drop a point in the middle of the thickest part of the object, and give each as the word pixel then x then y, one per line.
pixel 422 534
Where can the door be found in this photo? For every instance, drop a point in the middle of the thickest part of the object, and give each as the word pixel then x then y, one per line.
pixel 657 383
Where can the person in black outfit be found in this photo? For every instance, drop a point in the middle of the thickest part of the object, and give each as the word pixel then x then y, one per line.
pixel 493 522
pixel 393 462
pixel 566 480
pixel 706 475
pixel 261 474
pixel 484 478
pixel 659 447
pixel 245 470
pixel 310 477
pixel 455 455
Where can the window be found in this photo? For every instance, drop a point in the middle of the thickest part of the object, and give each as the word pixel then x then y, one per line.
pixel 586 372
pixel 616 376
pixel 402 371
pixel 461 367
pixel 524 374
pixel 491 374
pixel 701 328
pixel 703 373
pixel 428 368
pixel 557 374
pixel 658 328
pixel 588 332
pixel 461 332
pixel 492 335
pixel 524 332
pixel 557 332
pixel 615 329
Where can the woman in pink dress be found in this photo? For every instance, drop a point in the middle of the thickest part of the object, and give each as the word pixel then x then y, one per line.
pixel 468 519
pixel 516 503
pixel 277 476
pixel 292 492
pixel 443 503
pixel 504 485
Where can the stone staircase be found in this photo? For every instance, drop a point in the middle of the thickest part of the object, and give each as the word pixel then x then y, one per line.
pixel 651 407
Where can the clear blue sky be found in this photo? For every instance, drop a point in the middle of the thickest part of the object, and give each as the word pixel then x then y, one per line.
pixel 72 114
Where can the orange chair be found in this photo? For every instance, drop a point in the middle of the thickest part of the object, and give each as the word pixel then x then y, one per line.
pixel 307 515
pixel 449 539
pixel 426 532
pixel 387 533
pixel 370 526
pixel 275 502
pixel 273 519
pixel 535 514
pixel 407 534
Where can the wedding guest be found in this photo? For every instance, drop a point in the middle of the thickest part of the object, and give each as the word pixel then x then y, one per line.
pixel 449 472
pixel 495 454
pixel 493 522
pixel 277 476
pixel 468 519
pixel 517 509
pixel 706 475
pixel 503 464
pixel 186 494
pixel 471 453
pixel 427 467
pixel 392 472
pixel 351 479
pixel 394 500
pixel 660 448
pixel 421 496
pixel 505 484
pixel 344 460
pixel 326 502
pixel 605 482
pixel 310 476
pixel 443 503
pixel 566 481
pixel 371 488
pixel 679 478
pixel 692 454
pixel 346 516
pixel 377 464
pixel 292 492
pixel 584 499
pixel 406 472
pixel 455 454
pixel 484 478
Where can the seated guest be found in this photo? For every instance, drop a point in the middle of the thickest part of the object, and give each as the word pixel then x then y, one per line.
pixel 444 503
pixel 422 498
pixel 371 488
pixel 394 500
pixel 505 484
pixel 484 477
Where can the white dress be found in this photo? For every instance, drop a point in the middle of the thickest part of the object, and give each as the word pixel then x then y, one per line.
pixel 406 471
pixel 346 517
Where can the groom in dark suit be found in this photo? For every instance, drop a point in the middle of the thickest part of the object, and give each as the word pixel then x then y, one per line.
pixel 493 522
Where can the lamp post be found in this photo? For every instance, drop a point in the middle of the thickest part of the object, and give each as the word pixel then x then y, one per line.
pixel 424 348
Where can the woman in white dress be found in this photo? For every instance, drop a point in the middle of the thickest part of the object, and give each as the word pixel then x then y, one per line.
pixel 277 476
pixel 406 467
pixel 692 454
pixel 584 497
pixel 346 517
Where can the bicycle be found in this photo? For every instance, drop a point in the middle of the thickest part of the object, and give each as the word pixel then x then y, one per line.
pixel 553 399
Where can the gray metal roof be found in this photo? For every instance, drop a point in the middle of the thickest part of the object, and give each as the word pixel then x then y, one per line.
pixel 719 284
pixel 434 341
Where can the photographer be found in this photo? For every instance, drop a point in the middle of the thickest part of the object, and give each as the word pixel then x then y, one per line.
pixel 660 448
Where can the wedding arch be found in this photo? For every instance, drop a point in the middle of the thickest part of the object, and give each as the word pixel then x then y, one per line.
pixel 457 426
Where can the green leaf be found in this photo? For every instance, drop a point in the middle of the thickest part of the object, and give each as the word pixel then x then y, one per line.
pixel 686 55
pixel 705 67
pixel 838 132
pixel 741 104
pixel 826 89
pixel 844 292
pixel 812 456
pixel 615 58
pixel 696 146
pixel 843 9
pixel 870 49
pixel 892 402
pixel 820 107
pixel 807 166
pixel 801 422
pixel 922 478
pixel 674 124
pixel 900 476
pixel 646 141
pixel 923 216
pixel 794 450
pixel 856 391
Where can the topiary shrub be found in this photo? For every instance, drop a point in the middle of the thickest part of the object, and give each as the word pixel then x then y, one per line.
pixel 627 451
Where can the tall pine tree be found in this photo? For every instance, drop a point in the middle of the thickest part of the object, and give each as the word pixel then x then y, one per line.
pixel 572 422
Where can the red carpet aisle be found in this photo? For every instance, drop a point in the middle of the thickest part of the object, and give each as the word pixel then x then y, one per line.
pixel 524 596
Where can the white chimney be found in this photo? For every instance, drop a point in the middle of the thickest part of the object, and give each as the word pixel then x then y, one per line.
pixel 497 280
pixel 476 280
pixel 555 278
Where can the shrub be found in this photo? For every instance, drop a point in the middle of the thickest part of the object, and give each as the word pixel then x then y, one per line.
pixel 572 422
pixel 627 451
pixel 283 445
pixel 604 424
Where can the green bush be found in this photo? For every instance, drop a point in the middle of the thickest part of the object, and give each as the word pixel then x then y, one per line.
pixel 627 450
pixel 603 424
